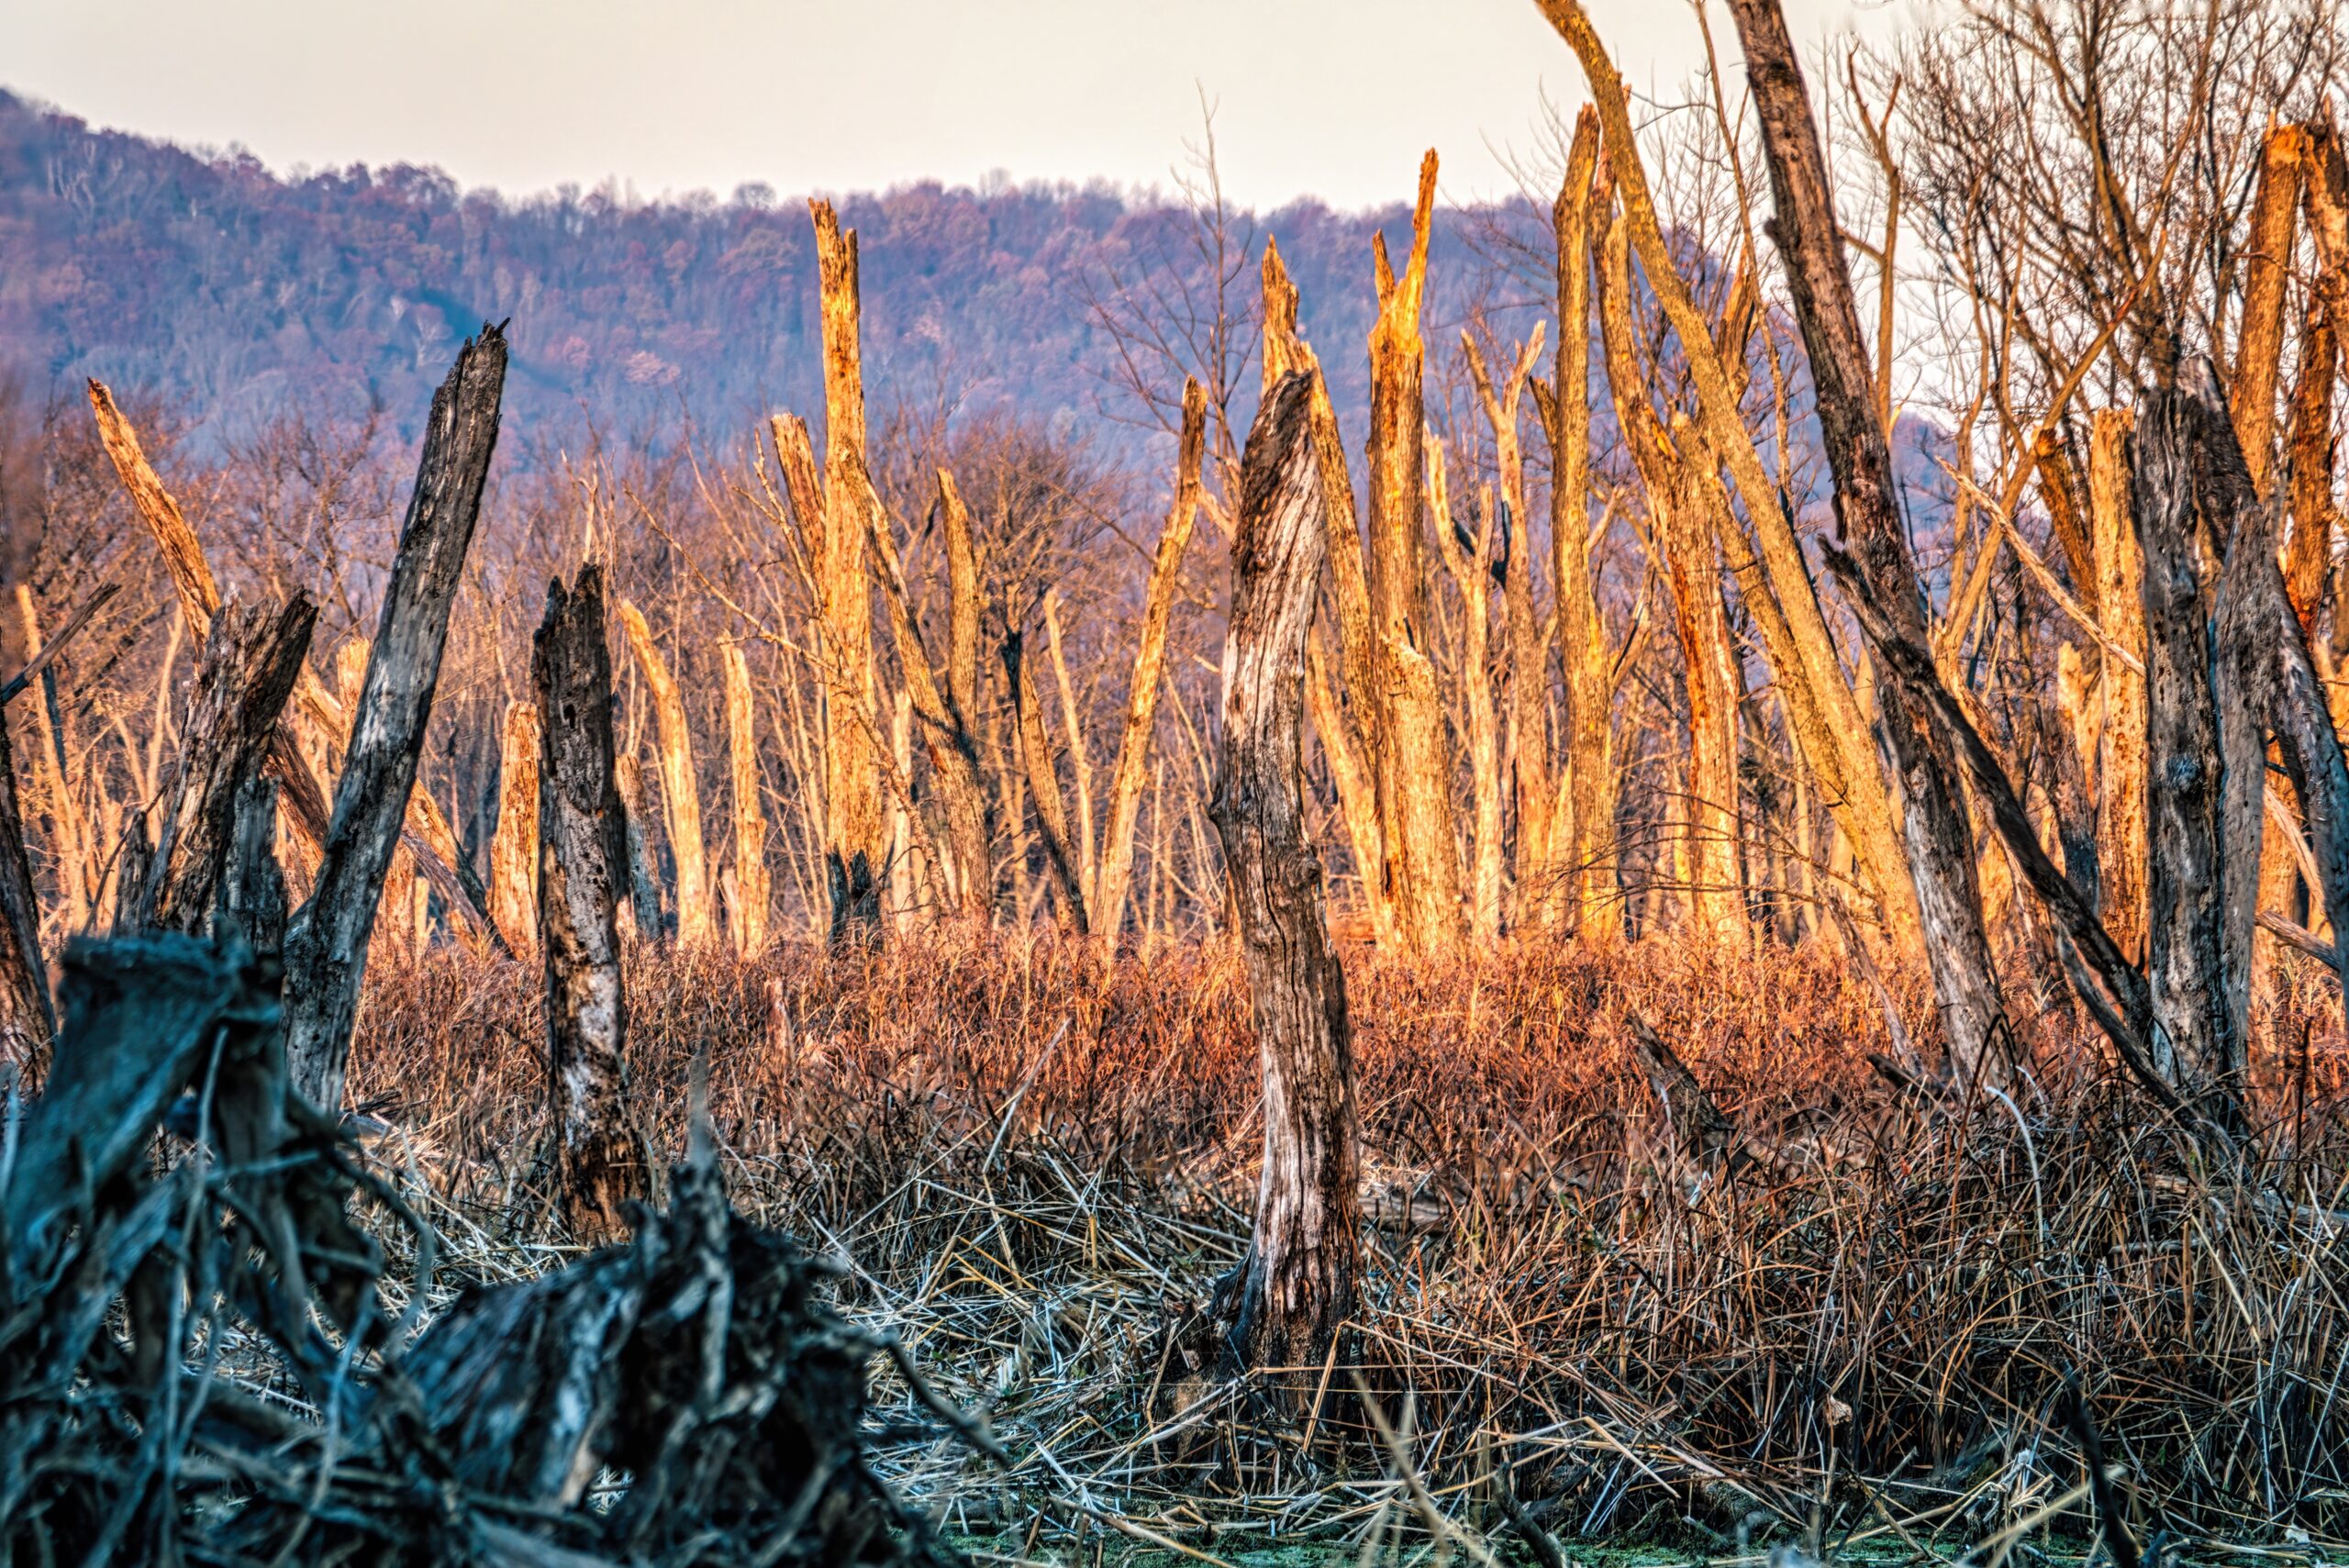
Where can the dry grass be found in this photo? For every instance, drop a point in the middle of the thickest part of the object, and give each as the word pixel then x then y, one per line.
pixel 1033 1160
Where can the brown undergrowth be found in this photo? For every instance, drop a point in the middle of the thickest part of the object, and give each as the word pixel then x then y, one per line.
pixel 1861 1323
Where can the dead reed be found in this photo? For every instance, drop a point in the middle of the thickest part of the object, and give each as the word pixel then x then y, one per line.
pixel 1861 1322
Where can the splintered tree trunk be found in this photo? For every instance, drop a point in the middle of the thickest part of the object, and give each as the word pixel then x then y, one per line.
pixel 1681 530
pixel 1531 784
pixel 2121 609
pixel 1116 876
pixel 326 948
pixel 2205 756
pixel 1413 765
pixel 583 848
pixel 26 1019
pixel 1940 839
pixel 1035 746
pixel 1470 572
pixel 853 828
pixel 243 683
pixel 1361 739
pixel 946 714
pixel 2268 268
pixel 73 858
pixel 680 787
pixel 319 716
pixel 2310 550
pixel 1080 756
pixel 1295 1289
pixel 1591 889
pixel 514 848
pixel 746 911
pixel 643 888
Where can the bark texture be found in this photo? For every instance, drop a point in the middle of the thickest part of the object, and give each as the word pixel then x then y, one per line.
pixel 27 1017
pixel 583 848
pixel 1294 1292
pixel 325 950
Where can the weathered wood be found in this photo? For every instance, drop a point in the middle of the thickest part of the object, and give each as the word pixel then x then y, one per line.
pixel 1532 784
pixel 1035 747
pixel 326 951
pixel 947 736
pixel 1591 888
pixel 243 682
pixel 853 843
pixel 643 886
pixel 1938 840
pixel 583 848
pixel 319 716
pixel 680 787
pixel 1470 567
pixel 2268 268
pixel 1115 874
pixel 1411 761
pixel 1773 573
pixel 252 885
pixel 1080 755
pixel 1295 1290
pixel 2118 598
pixel 514 846
pixel 746 907
pixel 1352 734
pixel 26 1019
pixel 1681 534
pixel 2192 501
pixel 2308 551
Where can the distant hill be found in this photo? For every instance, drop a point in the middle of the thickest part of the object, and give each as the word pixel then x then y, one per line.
pixel 236 292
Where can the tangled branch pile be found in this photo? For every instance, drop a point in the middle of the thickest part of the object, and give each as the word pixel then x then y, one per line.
pixel 201 1366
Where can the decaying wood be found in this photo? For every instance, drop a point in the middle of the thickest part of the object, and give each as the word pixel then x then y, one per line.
pixel 680 786
pixel 1471 569
pixel 1939 838
pixel 1116 875
pixel 1035 747
pixel 326 951
pixel 643 886
pixel 2268 268
pixel 698 1361
pixel 514 846
pixel 853 845
pixel 746 907
pixel 426 831
pixel 1295 1289
pixel 1591 888
pixel 27 1020
pixel 76 862
pixel 2206 760
pixel 243 682
pixel 2309 551
pixel 1351 735
pixel 1411 761
pixel 2121 689
pixel 583 848
pixel 947 736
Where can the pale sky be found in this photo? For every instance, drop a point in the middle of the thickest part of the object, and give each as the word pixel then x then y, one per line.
pixel 1331 98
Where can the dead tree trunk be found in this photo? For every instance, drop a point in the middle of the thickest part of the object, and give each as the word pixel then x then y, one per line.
pixel 1294 1292
pixel 583 846
pixel 326 948
pixel 2268 268
pixel 1412 763
pixel 514 848
pixel 2205 752
pixel 1591 888
pixel 243 682
pixel 2118 599
pixel 1116 876
pixel 1035 747
pixel 1351 736
pixel 1471 569
pixel 26 1019
pixel 853 828
pixel 643 888
pixel 318 716
pixel 1939 838
pixel 746 906
pixel 680 787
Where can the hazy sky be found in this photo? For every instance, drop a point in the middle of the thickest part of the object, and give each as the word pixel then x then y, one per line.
pixel 1333 98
